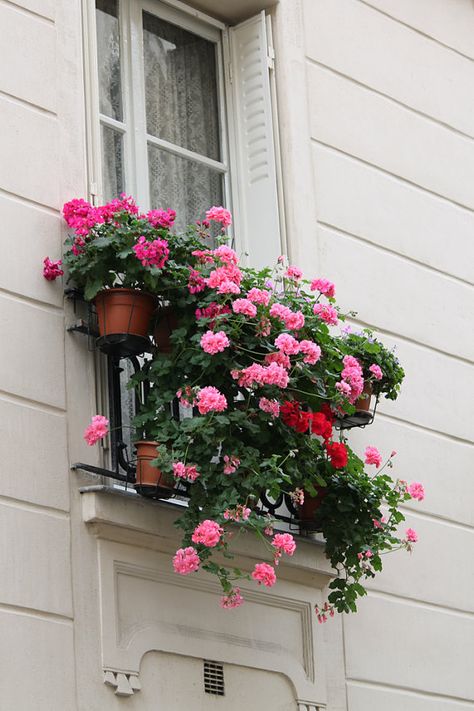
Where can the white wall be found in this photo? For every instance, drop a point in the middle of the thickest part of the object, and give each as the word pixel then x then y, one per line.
pixel 41 165
pixel 389 105
pixel 376 115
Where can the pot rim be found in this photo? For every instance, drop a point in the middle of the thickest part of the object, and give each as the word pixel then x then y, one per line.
pixel 125 289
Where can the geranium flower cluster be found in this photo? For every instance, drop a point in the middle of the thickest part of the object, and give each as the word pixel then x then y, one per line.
pixel 352 379
pixel 259 361
pixel 52 269
pixel 152 254
pixel 185 471
pixel 97 430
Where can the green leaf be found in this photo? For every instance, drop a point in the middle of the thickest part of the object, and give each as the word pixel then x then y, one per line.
pixel 92 289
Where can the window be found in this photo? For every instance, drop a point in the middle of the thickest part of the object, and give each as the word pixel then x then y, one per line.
pixel 180 115
pixel 162 108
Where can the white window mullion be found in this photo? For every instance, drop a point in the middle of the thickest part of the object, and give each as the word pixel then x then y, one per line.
pixel 91 85
pixel 127 98
pixel 138 104
pixel 112 123
pixel 185 153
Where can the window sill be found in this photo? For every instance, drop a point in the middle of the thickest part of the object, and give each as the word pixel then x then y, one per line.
pixel 124 517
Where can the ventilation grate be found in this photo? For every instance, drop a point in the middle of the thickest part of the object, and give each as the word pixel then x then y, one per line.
pixel 213 678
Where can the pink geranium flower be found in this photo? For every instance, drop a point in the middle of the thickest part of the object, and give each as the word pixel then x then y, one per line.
pixel 152 254
pixel 294 273
pixel 376 371
pixel 270 406
pixel 98 429
pixel 411 535
pixel 233 599
pixel 221 275
pixel 196 283
pixel 275 374
pixel 326 313
pixel 373 456
pixel 284 542
pixel 259 296
pixel 264 573
pixel 213 343
pixel 280 358
pixel 311 350
pixel 209 399
pixel 287 344
pixel 161 218
pixel 416 491
pixel 52 270
pixel 228 287
pixel 186 560
pixel 294 320
pixel 231 464
pixel 226 254
pixel 244 306
pixel 325 286
pixel 219 214
pixel 208 533
pixel 240 513
pixel 188 472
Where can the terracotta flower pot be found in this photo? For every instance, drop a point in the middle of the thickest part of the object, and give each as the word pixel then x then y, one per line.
pixel 308 509
pixel 166 322
pixel 363 403
pixel 149 479
pixel 124 311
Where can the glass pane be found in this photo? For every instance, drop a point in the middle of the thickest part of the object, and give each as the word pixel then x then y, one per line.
pixel 108 56
pixel 187 187
pixel 112 163
pixel 181 87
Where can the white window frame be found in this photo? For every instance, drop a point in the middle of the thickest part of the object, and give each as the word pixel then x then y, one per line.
pixel 133 126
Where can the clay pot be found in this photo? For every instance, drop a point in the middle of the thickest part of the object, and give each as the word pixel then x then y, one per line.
pixel 363 403
pixel 166 322
pixel 149 479
pixel 309 508
pixel 124 311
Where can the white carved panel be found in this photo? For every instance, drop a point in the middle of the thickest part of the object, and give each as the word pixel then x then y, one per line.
pixel 146 607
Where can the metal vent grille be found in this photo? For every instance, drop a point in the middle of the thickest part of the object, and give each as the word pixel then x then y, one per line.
pixel 213 678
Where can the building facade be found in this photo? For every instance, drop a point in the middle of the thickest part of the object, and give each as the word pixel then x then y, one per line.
pixel 354 154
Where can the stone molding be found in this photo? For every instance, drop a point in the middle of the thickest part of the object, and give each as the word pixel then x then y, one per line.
pixel 146 607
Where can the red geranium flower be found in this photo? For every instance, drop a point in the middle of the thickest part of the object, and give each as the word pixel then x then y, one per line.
pixel 320 425
pixel 337 453
pixel 293 416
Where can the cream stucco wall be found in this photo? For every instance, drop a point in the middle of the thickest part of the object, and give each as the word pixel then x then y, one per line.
pixel 379 145
pixel 376 119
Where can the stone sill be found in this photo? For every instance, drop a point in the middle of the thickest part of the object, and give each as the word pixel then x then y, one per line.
pixel 124 517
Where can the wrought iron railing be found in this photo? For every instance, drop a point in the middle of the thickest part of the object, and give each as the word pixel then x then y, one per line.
pixel 123 468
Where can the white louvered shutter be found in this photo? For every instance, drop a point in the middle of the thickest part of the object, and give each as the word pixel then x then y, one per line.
pixel 259 221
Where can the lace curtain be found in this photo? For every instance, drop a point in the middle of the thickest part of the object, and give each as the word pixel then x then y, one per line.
pixel 182 108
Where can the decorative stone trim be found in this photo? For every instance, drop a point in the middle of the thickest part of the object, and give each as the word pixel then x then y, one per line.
pixel 180 615
pixel 124 684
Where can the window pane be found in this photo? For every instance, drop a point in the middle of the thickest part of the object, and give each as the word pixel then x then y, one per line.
pixel 181 87
pixel 112 163
pixel 108 56
pixel 187 187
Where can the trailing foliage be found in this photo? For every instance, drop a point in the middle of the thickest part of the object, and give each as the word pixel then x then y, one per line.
pixel 264 376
